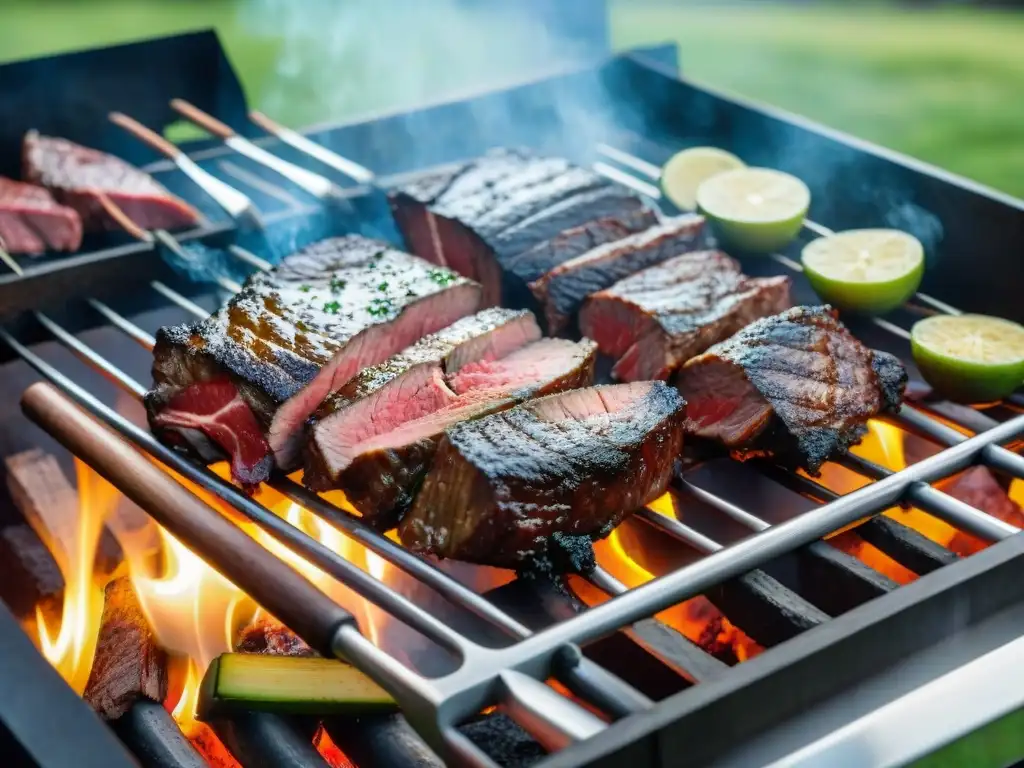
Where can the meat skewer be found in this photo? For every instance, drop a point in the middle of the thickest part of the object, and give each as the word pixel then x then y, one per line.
pixel 32 222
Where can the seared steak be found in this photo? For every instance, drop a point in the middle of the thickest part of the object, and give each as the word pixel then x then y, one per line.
pixel 654 321
pixel 480 215
pixel 575 463
pixel 32 222
pixel 85 179
pixel 263 363
pixel 562 290
pixel 798 386
pixel 375 439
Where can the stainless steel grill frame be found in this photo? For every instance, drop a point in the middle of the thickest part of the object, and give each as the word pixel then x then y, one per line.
pixel 513 675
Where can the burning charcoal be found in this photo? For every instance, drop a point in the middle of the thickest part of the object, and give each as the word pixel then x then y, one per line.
pixel 129 665
pixel 29 576
pixel 267 635
pixel 979 488
pixel 507 744
pixel 50 504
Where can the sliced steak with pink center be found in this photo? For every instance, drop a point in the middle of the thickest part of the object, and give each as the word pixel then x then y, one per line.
pixel 576 463
pixel 32 222
pixel 295 333
pixel 654 321
pixel 84 179
pixel 477 217
pixel 563 290
pixel 375 447
pixel 797 386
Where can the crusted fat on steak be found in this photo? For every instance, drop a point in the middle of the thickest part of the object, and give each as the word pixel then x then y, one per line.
pixel 575 463
pixel 654 321
pixel 478 216
pixel 81 178
pixel 797 385
pixel 32 222
pixel 289 337
pixel 562 290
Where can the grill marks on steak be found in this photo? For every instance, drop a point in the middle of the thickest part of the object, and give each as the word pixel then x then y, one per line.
pixel 575 463
pixel 483 214
pixel 82 178
pixel 563 289
pixel 797 385
pixel 32 222
pixel 376 436
pixel 655 320
pixel 293 334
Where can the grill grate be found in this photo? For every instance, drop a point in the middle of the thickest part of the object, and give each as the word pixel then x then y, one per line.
pixel 512 675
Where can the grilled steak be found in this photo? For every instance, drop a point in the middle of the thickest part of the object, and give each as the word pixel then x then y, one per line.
pixel 248 377
pixel 480 215
pixel 89 180
pixel 32 222
pixel 575 463
pixel 654 321
pixel 797 385
pixel 375 437
pixel 562 290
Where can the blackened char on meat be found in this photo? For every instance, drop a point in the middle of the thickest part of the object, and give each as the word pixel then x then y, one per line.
pixel 575 463
pixel 374 437
pixel 654 321
pixel 797 386
pixel 87 180
pixel 32 222
pixel 563 289
pixel 247 378
pixel 479 216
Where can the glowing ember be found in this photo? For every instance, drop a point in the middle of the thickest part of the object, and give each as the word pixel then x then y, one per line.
pixel 71 651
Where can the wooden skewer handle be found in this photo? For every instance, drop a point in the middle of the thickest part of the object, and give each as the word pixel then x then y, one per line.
pixel 151 137
pixel 203 120
pixel 265 122
pixel 279 589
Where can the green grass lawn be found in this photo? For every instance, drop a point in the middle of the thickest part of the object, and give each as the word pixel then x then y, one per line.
pixel 947 87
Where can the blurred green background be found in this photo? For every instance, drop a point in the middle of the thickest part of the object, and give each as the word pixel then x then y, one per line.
pixel 945 84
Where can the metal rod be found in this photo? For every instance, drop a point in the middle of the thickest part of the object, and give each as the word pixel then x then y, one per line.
pixel 250 258
pixel 351 169
pixel 141 337
pixel 552 719
pixel 943 506
pixel 628 180
pixel 187 304
pixel 12 265
pixel 995 456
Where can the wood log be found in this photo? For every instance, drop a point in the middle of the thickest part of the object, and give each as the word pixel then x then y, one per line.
pixel 29 576
pixel 129 664
pixel 49 503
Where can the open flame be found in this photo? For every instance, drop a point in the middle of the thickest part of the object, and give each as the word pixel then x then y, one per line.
pixel 71 650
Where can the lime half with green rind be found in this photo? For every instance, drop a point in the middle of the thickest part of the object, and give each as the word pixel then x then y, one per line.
pixel 871 271
pixel 969 358
pixel 683 174
pixel 758 210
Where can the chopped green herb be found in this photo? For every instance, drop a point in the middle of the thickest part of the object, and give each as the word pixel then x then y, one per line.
pixel 379 307
pixel 305 288
pixel 332 307
pixel 441 277
pixel 383 286
pixel 337 284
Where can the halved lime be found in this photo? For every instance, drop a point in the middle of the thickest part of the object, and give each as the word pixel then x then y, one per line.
pixel 687 170
pixel 865 270
pixel 754 209
pixel 969 358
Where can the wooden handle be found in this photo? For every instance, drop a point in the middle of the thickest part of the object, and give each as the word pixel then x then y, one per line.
pixel 280 590
pixel 123 220
pixel 265 122
pixel 200 118
pixel 151 137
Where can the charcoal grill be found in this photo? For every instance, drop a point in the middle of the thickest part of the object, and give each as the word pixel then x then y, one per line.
pixel 848 654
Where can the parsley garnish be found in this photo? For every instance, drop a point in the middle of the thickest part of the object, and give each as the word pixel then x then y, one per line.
pixel 305 288
pixel 383 286
pixel 379 307
pixel 337 284
pixel 332 307
pixel 441 277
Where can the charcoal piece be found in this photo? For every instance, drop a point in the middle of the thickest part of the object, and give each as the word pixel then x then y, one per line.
pixel 507 744
pixel 29 576
pixel 267 635
pixel 129 665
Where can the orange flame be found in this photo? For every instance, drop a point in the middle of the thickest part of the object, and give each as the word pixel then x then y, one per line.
pixel 71 651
